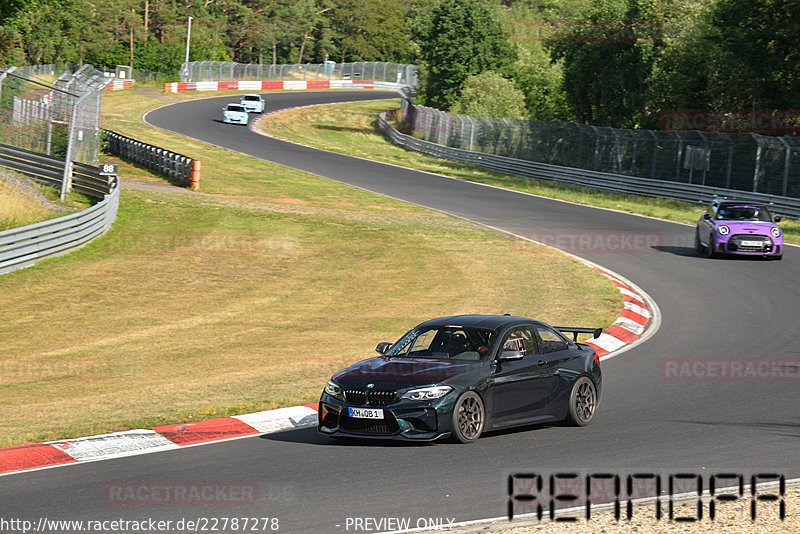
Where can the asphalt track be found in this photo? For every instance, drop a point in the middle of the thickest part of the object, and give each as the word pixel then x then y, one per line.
pixel 647 422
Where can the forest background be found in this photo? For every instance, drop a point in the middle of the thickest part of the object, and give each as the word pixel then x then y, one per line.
pixel 615 63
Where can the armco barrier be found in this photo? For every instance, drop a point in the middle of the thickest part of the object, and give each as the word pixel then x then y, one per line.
pixel 24 246
pixel 170 164
pixel 617 183
pixel 50 170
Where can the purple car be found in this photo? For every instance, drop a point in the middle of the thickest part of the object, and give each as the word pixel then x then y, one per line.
pixel 739 227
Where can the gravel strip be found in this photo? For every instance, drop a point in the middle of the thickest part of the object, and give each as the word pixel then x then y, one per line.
pixel 731 518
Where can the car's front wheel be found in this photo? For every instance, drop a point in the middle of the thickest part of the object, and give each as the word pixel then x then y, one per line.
pixel 582 402
pixel 710 250
pixel 469 417
pixel 698 245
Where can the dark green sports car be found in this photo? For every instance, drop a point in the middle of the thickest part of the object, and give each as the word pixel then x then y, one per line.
pixel 460 376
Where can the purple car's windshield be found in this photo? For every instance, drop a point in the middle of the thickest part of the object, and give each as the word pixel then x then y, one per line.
pixel 450 341
pixel 743 213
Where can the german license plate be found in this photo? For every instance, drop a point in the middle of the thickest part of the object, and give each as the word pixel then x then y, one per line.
pixel 749 243
pixel 366 413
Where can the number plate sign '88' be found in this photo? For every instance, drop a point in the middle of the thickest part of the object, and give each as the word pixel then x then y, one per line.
pixel 108 170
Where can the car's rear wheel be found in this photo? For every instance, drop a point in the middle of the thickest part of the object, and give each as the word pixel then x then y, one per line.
pixel 469 418
pixel 582 402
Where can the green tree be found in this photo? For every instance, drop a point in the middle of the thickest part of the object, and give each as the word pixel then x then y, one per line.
pixel 608 58
pixel 490 96
pixel 541 82
pixel 757 60
pixel 370 30
pixel 680 75
pixel 462 40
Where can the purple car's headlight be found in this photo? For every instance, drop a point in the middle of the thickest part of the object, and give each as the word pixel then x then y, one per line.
pixel 776 232
pixel 723 230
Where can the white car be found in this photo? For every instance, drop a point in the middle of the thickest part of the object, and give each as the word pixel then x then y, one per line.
pixel 234 114
pixel 253 103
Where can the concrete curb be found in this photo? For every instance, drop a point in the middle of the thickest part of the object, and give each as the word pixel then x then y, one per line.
pixel 132 442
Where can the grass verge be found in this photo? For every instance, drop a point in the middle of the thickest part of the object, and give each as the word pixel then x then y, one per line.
pixel 24 202
pixel 352 129
pixel 200 306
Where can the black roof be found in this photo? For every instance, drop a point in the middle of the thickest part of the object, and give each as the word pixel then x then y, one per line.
pixel 490 322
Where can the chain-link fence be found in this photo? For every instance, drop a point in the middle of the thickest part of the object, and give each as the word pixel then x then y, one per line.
pixel 208 71
pixel 743 161
pixel 53 114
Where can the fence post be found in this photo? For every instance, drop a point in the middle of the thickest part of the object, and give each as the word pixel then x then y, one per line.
pixel 706 155
pixel 3 75
pixel 655 154
pixel 679 157
pixel 617 166
pixel 786 160
pixel 471 134
pixel 757 171
pixel 66 180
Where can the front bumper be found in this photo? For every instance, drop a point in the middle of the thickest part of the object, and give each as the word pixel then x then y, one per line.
pixel 403 420
pixel 235 120
pixel 751 245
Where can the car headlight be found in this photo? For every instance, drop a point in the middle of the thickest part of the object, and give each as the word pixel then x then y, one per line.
pixel 776 232
pixel 432 392
pixel 723 230
pixel 334 390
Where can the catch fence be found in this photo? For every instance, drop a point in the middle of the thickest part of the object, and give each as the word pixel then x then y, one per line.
pixel 208 71
pixel 741 161
pixel 51 113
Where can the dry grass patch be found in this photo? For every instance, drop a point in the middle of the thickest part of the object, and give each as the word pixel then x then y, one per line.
pixel 247 299
pixel 18 208
pixel 193 308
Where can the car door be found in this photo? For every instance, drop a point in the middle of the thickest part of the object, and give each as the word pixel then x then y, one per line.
pixel 555 351
pixel 516 387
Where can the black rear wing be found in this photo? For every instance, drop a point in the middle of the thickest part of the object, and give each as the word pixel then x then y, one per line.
pixel 576 331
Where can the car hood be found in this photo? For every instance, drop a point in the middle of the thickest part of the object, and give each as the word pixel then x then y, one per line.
pixel 401 372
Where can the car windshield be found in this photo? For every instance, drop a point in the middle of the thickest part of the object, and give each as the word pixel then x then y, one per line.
pixel 250 97
pixel 449 341
pixel 743 213
pixel 235 108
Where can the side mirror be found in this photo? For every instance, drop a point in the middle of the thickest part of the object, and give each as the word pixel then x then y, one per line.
pixel 383 347
pixel 707 216
pixel 507 355
pixel 778 218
